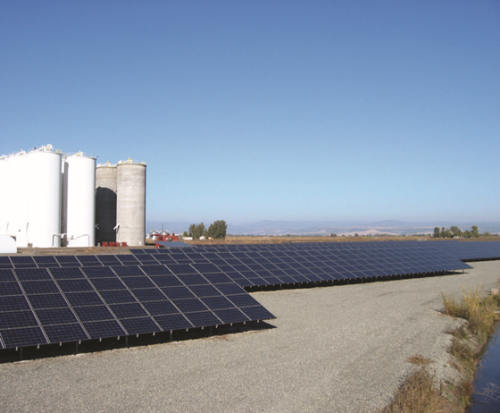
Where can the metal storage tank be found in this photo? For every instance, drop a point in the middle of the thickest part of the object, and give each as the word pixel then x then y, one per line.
pixel 78 200
pixel 4 176
pixel 105 203
pixel 44 203
pixel 17 195
pixel 131 203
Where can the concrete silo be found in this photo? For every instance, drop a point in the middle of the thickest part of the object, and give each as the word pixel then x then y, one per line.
pixel 43 184
pixel 105 203
pixel 78 200
pixel 131 203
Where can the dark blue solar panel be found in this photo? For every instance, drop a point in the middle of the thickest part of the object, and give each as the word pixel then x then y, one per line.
pixel 128 310
pixel 177 292
pixel 173 322
pixel 33 274
pixel 148 294
pixel 103 329
pixel 102 284
pixel 22 337
pixel 160 307
pixel 66 273
pixel 7 275
pixel 108 259
pixel 166 281
pixel 231 315
pixel 65 333
pixel 188 305
pixel 156 270
pixel 203 319
pixel 67 261
pixel 140 325
pixel 99 272
pixel 89 260
pixel 46 261
pixel 217 303
pixel 118 296
pixel 39 287
pixel 75 285
pixel 81 299
pixel 16 319
pixel 128 271
pixel 23 262
pixel 47 301
pixel 138 282
pixel 93 313
pixel 56 316
pixel 5 262
pixel 13 303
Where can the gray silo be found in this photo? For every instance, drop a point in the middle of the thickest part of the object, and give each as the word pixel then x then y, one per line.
pixel 105 199
pixel 131 203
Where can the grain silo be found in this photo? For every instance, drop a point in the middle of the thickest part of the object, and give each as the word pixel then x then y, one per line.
pixel 17 195
pixel 131 203
pixel 3 190
pixel 43 187
pixel 105 201
pixel 78 200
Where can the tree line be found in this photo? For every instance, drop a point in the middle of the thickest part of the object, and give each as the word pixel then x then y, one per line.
pixel 454 231
pixel 216 230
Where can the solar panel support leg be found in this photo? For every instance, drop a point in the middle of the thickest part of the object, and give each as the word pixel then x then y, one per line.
pixel 126 341
pixel 76 347
pixel 21 353
pixel 171 334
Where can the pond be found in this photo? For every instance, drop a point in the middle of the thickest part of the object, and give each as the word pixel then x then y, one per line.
pixel 486 398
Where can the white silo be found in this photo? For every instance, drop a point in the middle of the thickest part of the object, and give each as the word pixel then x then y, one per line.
pixel 131 203
pixel 3 190
pixel 78 200
pixel 17 196
pixel 44 183
pixel 105 203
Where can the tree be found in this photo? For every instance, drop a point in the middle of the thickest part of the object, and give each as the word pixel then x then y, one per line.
pixel 217 230
pixel 437 233
pixel 185 234
pixel 332 235
pixel 196 231
pixel 456 231
pixel 474 232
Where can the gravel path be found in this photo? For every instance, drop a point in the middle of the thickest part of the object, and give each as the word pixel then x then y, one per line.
pixel 334 349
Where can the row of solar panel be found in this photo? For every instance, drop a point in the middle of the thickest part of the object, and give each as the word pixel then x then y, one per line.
pixel 54 261
pixel 56 326
pixel 34 311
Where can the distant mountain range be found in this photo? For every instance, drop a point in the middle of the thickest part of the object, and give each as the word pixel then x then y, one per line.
pixel 328 227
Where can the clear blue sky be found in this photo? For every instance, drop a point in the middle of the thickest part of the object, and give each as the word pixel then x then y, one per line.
pixel 267 109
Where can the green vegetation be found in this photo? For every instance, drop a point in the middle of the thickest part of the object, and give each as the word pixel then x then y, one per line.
pixel 197 230
pixel 216 230
pixel 418 393
pixel 454 231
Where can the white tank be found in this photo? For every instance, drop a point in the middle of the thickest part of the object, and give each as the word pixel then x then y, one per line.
pixel 43 184
pixel 18 195
pixel 78 200
pixel 131 203
pixel 4 165
pixel 105 203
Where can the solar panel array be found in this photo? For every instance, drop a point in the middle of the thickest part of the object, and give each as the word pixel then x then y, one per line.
pixel 260 265
pixel 54 299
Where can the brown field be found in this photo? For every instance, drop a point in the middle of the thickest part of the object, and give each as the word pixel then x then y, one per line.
pixel 294 239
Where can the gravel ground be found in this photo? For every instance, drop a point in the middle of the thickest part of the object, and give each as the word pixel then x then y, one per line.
pixel 334 349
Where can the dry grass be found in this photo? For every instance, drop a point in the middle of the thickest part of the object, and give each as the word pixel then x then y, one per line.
pixel 477 309
pixel 419 359
pixel 417 393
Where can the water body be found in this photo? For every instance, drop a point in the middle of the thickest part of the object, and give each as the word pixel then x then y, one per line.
pixel 486 398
